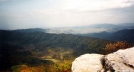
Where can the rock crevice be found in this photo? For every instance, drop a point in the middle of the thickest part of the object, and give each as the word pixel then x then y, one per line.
pixel 119 61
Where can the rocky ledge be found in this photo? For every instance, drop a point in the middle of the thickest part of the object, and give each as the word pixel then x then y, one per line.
pixel 119 61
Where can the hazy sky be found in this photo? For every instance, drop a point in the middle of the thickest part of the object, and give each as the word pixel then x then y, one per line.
pixel 15 14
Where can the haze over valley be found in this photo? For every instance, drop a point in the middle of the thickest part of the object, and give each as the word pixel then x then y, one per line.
pixel 97 28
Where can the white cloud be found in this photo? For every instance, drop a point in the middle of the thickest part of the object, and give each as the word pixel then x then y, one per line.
pixel 61 13
pixel 81 5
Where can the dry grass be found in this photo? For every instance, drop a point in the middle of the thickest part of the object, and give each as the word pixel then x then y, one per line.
pixel 62 66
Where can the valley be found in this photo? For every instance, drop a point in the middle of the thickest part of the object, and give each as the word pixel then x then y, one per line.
pixel 30 49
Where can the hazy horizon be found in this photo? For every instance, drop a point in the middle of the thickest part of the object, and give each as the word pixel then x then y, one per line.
pixel 23 14
pixel 82 26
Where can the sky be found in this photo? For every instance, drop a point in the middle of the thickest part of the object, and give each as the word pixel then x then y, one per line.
pixel 21 14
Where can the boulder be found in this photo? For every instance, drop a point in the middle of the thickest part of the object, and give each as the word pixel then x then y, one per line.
pixel 119 61
pixel 87 63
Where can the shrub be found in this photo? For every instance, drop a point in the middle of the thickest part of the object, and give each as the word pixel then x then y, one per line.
pixel 116 46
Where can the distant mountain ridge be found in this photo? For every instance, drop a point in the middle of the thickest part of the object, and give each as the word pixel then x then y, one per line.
pixel 96 28
pixel 118 32
pixel 30 30
pixel 121 35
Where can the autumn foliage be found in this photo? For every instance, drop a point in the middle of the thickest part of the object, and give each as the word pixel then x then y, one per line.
pixel 116 46
pixel 62 66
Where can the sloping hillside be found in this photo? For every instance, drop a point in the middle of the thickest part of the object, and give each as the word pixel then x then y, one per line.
pixel 44 48
pixel 121 35
pixel 43 40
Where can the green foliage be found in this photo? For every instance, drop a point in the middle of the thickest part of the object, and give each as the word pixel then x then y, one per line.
pixel 40 41
pixel 41 49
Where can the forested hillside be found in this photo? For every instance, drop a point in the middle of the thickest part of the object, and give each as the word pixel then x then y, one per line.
pixel 41 40
pixel 121 35
pixel 39 48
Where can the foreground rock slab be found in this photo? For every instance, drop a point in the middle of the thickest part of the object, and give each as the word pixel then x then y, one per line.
pixel 87 63
pixel 120 61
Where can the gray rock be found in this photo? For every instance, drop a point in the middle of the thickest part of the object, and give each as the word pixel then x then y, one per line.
pixel 120 61
pixel 87 63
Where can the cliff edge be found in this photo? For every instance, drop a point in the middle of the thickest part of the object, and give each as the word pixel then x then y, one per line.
pixel 119 61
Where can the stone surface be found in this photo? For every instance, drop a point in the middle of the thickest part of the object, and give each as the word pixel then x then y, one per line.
pixel 120 61
pixel 87 63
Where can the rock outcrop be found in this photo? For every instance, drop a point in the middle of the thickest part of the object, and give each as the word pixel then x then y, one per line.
pixel 87 63
pixel 120 61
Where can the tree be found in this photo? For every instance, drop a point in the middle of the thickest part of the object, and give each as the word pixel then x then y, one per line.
pixel 116 46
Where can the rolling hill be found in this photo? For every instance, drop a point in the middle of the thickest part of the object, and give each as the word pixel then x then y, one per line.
pixel 36 47
pixel 121 35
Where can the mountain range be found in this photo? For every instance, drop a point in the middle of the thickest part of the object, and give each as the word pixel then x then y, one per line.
pixel 96 28
pixel 38 46
pixel 121 35
pixel 34 47
pixel 114 32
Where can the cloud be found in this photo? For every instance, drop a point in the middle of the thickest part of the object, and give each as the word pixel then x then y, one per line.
pixel 61 13
pixel 84 5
